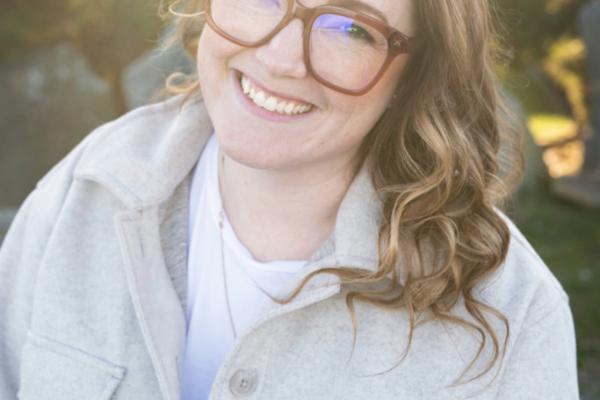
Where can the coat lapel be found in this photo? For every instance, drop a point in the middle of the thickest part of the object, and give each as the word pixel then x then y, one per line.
pixel 156 304
pixel 145 161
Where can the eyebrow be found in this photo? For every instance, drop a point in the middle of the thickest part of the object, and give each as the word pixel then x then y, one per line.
pixel 362 6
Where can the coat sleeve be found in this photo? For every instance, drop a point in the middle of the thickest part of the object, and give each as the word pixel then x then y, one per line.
pixel 21 254
pixel 542 364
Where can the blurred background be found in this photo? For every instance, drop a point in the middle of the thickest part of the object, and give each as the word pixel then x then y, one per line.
pixel 67 66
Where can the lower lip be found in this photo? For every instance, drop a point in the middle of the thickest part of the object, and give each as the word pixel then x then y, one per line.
pixel 249 105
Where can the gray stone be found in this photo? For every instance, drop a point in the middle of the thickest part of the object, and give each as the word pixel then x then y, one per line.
pixel 589 26
pixel 49 101
pixel 144 79
pixel 6 217
pixel 535 174
pixel 583 189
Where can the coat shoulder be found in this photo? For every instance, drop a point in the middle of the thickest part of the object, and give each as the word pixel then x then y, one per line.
pixel 143 156
pixel 523 286
pixel 107 136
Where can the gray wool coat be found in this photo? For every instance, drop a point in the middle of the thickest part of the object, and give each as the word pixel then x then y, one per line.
pixel 93 281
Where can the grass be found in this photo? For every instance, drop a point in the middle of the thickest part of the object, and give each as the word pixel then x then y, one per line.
pixel 567 238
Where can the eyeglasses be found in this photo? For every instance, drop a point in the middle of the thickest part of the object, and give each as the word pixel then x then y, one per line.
pixel 345 50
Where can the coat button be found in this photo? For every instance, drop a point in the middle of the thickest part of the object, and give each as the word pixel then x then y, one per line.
pixel 243 382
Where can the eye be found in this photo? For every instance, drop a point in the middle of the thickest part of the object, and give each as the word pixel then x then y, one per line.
pixel 346 28
pixel 357 32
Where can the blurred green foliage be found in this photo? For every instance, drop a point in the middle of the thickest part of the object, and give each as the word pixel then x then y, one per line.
pixel 112 32
pixel 532 26
pixel 548 67
pixel 109 32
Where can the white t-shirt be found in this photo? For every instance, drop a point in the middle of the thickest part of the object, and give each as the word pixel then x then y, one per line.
pixel 209 332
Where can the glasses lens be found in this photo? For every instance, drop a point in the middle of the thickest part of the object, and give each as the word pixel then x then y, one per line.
pixel 346 52
pixel 248 20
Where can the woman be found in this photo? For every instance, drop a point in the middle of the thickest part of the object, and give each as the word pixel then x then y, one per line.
pixel 336 237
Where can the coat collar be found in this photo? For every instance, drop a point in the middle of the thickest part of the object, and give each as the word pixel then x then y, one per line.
pixel 144 156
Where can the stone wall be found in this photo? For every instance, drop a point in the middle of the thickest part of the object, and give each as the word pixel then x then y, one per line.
pixel 50 100
pixel 589 26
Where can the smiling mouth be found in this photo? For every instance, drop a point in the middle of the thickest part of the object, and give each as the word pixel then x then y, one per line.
pixel 271 102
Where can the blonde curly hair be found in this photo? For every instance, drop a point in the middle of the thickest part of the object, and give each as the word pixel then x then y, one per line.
pixel 435 158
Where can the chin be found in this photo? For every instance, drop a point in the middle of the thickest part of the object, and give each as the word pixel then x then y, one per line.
pixel 254 155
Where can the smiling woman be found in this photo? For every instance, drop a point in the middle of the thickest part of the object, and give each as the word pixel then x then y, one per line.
pixel 317 217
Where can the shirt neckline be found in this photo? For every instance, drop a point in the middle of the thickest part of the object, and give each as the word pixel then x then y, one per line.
pixel 229 236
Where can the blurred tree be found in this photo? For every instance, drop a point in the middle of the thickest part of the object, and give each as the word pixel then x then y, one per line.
pixel 110 33
pixel 532 26
pixel 544 37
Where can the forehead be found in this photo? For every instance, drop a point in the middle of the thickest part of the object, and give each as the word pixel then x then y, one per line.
pixel 398 13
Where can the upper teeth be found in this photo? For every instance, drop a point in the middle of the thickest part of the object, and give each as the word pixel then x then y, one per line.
pixel 271 102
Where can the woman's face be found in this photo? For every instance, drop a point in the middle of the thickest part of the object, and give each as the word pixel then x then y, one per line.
pixel 329 134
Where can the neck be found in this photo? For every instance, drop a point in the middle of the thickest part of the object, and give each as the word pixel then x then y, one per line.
pixel 283 214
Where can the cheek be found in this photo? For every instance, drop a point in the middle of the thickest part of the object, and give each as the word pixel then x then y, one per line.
pixel 361 112
pixel 394 73
pixel 207 52
pixel 350 119
pixel 212 58
pixel 203 56
pixel 213 52
pixel 353 117
pixel 375 101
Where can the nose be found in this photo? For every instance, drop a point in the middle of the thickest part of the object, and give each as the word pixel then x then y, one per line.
pixel 283 55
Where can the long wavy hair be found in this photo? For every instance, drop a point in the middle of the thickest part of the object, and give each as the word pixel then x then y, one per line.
pixel 442 157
